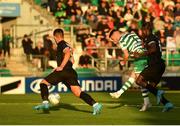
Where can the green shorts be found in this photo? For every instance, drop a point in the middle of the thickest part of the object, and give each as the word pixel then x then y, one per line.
pixel 139 64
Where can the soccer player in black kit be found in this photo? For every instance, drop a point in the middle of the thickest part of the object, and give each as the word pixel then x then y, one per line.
pixel 66 74
pixel 151 75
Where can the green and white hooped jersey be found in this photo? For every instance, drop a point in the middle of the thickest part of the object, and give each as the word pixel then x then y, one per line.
pixel 133 43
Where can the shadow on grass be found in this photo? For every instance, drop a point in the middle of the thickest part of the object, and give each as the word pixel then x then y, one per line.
pixel 68 107
pixel 63 106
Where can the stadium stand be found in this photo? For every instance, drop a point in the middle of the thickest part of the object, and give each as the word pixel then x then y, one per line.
pixel 88 24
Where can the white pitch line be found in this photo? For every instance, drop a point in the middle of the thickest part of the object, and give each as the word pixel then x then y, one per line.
pixel 83 104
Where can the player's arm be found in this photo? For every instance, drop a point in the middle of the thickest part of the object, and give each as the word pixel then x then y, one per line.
pixel 151 49
pixel 125 56
pixel 72 56
pixel 67 54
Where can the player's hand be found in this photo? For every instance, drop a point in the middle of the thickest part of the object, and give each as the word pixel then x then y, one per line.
pixel 59 68
pixel 122 63
pixel 136 55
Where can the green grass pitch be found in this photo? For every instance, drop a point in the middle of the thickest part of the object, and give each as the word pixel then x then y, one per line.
pixel 17 110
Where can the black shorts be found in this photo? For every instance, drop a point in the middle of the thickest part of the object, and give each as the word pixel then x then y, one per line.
pixel 153 73
pixel 68 77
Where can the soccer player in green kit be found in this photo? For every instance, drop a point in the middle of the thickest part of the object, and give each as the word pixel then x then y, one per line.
pixel 129 43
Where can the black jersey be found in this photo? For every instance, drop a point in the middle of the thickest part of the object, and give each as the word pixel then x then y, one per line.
pixel 155 57
pixel 60 54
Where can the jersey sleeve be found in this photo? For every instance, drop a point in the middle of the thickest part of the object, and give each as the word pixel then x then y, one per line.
pixel 122 45
pixel 64 45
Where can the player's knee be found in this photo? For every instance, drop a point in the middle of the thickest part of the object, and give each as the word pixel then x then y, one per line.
pixel 44 82
pixel 76 90
pixel 138 81
pixel 77 93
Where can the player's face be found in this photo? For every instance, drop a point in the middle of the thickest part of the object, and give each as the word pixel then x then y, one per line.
pixel 115 37
pixel 57 38
pixel 145 33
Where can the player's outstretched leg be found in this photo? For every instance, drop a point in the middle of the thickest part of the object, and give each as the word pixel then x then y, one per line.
pixel 159 96
pixel 97 107
pixel 44 106
pixel 168 106
pixel 44 95
pixel 124 88
pixel 146 103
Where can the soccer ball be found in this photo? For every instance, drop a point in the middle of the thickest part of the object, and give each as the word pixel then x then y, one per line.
pixel 54 98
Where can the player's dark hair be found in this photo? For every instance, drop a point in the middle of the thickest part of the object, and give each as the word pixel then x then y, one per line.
pixel 112 32
pixel 147 29
pixel 58 31
pixel 148 26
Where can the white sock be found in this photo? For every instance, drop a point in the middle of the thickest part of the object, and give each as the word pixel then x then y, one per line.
pixel 145 93
pixel 126 85
pixel 95 104
pixel 45 102
pixel 146 101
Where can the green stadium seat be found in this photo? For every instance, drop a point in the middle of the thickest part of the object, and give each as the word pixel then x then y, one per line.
pixel 120 2
pixel 67 22
pixel 94 2
pixel 0 44
pixel 82 72
pixel 174 60
pixel 38 2
pixel 86 72
pixel 5 73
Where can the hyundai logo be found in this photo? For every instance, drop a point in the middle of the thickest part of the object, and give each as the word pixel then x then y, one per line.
pixel 35 86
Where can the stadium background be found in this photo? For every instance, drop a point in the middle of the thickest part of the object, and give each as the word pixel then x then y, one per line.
pixel 86 28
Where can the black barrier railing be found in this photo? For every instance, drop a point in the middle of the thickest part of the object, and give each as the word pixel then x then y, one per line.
pixel 172 58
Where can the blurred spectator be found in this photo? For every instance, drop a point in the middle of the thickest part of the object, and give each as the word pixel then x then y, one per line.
pixel 71 8
pixel 52 5
pixel 91 47
pixel 169 34
pixel 177 21
pixel 52 57
pixel 92 21
pixel 158 24
pixel 128 17
pixel 119 18
pixel 177 38
pixel 102 26
pixel 6 40
pixel 102 47
pixel 27 46
pixel 52 53
pixel 39 55
pixel 79 12
pixel 161 35
pixel 84 60
pixel 103 7
pixel 137 14
pixel 60 12
pixel 2 60
pixel 82 35
pixel 168 3
pixel 134 27
pixel 47 44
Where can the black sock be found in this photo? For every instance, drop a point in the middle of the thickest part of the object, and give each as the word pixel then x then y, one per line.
pixel 87 98
pixel 44 91
pixel 152 89
pixel 164 100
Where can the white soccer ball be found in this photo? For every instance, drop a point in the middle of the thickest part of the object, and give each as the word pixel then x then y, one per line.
pixel 54 98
